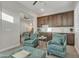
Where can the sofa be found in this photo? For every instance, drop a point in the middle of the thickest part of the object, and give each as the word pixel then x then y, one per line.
pixel 31 40
pixel 57 46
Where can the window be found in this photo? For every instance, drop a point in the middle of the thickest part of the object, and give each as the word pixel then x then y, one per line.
pixel 7 17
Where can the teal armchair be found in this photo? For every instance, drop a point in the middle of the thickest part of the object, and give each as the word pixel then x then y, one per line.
pixel 31 41
pixel 57 46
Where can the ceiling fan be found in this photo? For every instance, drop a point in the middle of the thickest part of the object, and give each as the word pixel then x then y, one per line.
pixel 35 2
pixel 40 2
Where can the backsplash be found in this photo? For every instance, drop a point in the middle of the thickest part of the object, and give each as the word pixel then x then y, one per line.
pixel 56 29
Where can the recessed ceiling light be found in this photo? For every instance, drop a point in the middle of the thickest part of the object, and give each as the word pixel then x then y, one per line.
pixel 42 9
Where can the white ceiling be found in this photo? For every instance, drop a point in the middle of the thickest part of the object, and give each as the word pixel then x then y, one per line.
pixel 50 7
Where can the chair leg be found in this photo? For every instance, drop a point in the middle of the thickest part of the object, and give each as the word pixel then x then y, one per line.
pixel 47 53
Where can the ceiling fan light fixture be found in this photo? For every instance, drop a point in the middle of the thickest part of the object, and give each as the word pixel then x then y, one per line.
pixel 35 2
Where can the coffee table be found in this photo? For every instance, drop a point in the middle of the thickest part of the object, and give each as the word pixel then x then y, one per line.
pixel 35 52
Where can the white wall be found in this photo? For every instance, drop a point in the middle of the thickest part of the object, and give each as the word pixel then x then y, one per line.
pixel 35 23
pixel 11 31
pixel 76 23
pixel 0 24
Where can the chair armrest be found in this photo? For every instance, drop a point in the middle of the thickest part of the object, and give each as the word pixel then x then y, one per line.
pixel 26 39
pixel 49 42
pixel 65 44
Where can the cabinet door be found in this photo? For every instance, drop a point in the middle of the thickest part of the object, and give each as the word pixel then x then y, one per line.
pixel 64 19
pixel 42 21
pixel 46 20
pixel 59 19
pixel 38 22
pixel 50 21
pixel 70 39
pixel 70 19
pixel 54 24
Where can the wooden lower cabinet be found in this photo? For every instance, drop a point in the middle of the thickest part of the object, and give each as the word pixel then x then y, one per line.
pixel 70 38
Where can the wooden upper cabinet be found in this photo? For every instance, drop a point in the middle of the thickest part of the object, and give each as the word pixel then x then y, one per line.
pixel 58 20
pixel 45 20
pixel 70 18
pixel 64 19
pixel 38 22
pixel 42 21
pixel 54 21
pixel 50 21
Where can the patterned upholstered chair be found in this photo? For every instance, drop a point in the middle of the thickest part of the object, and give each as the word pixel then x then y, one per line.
pixel 57 46
pixel 31 41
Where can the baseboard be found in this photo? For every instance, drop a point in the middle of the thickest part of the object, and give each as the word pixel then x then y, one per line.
pixel 9 47
pixel 77 50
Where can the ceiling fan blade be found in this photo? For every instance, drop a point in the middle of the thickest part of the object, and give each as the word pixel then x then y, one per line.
pixel 35 2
